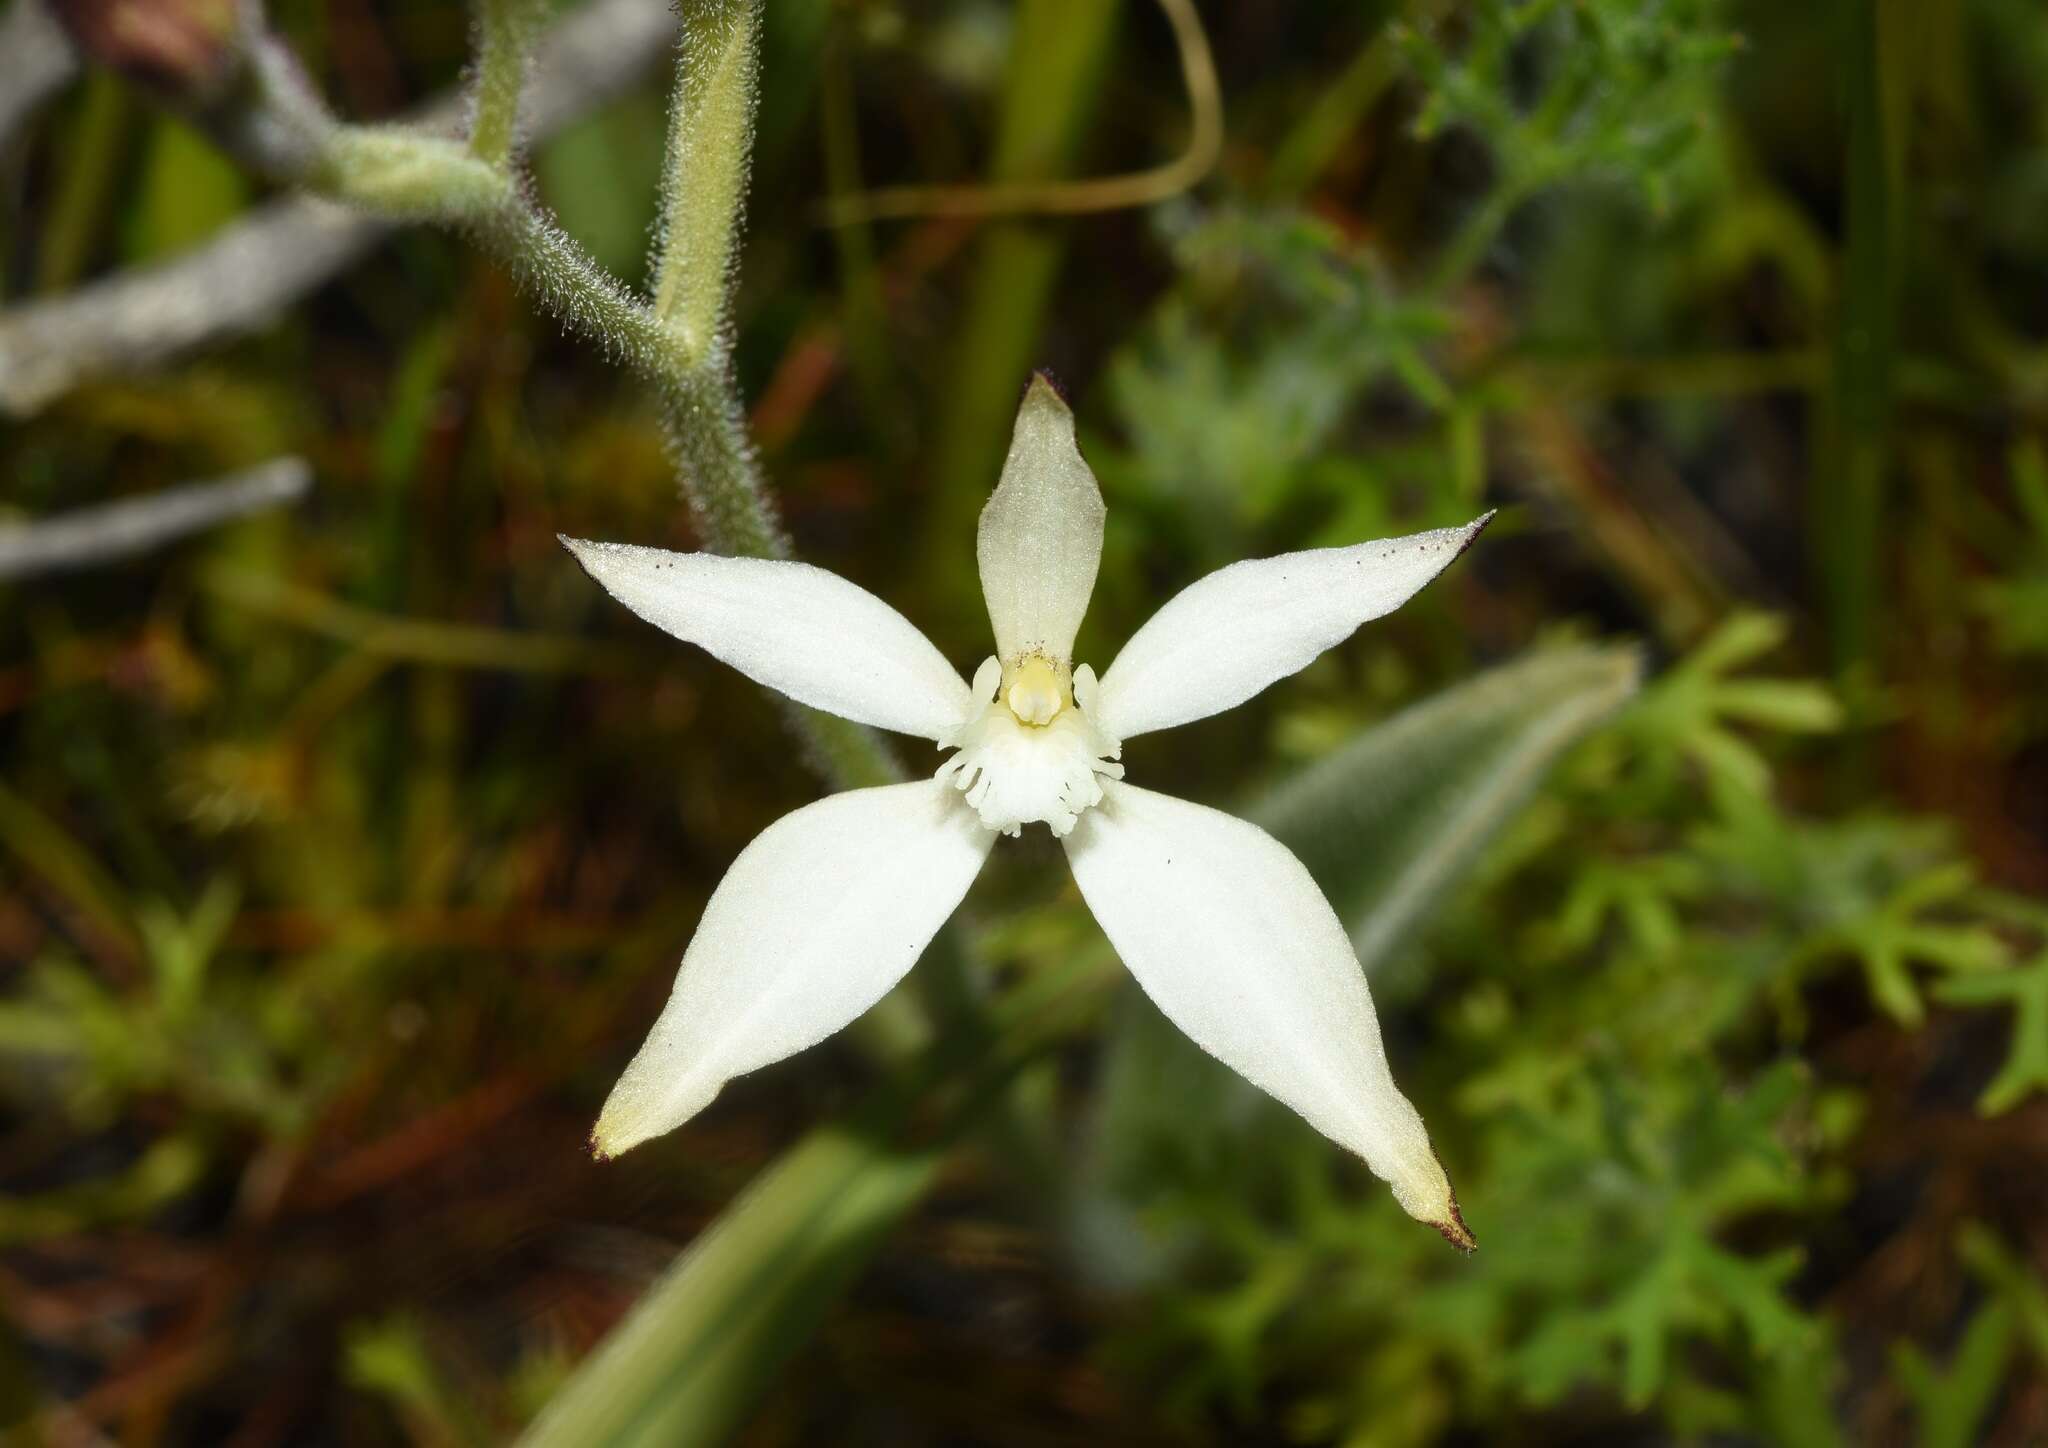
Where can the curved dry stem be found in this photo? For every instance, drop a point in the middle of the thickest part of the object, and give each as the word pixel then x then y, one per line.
pixel 1070 198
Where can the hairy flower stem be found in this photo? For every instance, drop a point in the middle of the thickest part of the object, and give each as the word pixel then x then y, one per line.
pixel 679 342
pixel 281 128
pixel 734 513
pixel 718 467
pixel 505 31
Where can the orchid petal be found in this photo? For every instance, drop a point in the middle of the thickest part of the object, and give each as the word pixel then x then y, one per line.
pixel 1041 534
pixel 826 910
pixel 1227 636
pixel 796 629
pixel 1230 937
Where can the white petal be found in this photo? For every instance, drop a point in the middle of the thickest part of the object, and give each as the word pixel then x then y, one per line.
pixel 797 629
pixel 1231 938
pixel 1041 534
pixel 826 910
pixel 1225 637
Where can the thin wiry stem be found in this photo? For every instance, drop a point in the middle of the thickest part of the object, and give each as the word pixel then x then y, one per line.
pixel 1066 198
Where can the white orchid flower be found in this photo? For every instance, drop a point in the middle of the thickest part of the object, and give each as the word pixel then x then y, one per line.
pixel 828 909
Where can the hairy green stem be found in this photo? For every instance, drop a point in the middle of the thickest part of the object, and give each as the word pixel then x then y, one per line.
pixel 718 467
pixel 711 138
pixel 678 341
pixel 577 292
pixel 505 31
pixel 720 472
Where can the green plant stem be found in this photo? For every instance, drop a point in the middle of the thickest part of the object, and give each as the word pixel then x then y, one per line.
pixel 718 467
pixel 414 640
pixel 505 29
pixel 1475 236
pixel 1060 50
pixel 862 305
pixel 576 291
pixel 1314 141
pixel 47 850
pixel 400 173
pixel 711 138
pixel 1846 524
pixel 85 184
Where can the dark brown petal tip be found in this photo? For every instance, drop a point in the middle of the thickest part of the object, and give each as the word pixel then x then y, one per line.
pixel 1477 528
pixel 1456 1232
pixel 598 1153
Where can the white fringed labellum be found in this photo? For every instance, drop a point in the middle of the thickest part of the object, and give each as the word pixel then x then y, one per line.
pixel 1218 922
pixel 1031 755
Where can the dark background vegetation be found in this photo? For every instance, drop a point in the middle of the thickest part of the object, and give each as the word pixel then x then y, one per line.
pixel 346 853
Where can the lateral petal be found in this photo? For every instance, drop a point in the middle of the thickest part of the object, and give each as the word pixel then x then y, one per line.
pixel 799 630
pixel 1230 937
pixel 1041 534
pixel 1225 637
pixel 826 910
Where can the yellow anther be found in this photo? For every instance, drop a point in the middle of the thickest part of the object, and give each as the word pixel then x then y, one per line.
pixel 1037 693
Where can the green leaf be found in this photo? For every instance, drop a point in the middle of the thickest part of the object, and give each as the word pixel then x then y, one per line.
pixel 1688 714
pixel 689 1363
pixel 1390 822
pixel 392 1359
pixel 1951 1404
pixel 189 191
pixel 2025 987
pixel 2010 1276
pixel 166 1171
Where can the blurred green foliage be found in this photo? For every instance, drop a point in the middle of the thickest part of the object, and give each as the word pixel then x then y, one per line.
pixel 345 853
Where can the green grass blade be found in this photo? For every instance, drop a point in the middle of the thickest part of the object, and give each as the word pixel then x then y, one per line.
pixel 691 1361
pixel 1848 503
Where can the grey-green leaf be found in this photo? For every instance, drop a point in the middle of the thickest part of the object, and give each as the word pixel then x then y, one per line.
pixel 693 1358
pixel 1392 820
